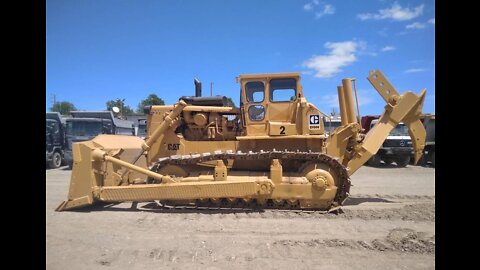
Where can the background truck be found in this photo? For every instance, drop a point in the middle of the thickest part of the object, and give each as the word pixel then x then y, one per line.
pixel 54 139
pixel 86 125
pixel 331 123
pixel 428 121
pixel 142 128
pixel 397 147
pixel 139 122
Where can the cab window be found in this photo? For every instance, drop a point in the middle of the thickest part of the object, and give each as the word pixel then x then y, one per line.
pixel 283 90
pixel 256 112
pixel 255 91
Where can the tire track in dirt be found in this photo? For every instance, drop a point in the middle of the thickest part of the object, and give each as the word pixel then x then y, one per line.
pixel 422 211
pixel 389 223
pixel 398 240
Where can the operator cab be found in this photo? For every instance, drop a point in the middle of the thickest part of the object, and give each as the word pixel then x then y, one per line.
pixel 269 103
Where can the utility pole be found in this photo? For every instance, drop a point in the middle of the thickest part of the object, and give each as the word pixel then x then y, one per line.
pixel 121 112
pixel 53 99
pixel 211 88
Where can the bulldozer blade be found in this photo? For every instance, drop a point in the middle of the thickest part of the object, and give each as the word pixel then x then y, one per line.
pixel 97 177
pixel 88 173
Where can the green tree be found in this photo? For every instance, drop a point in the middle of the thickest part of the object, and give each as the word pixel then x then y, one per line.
pixel 230 103
pixel 119 103
pixel 63 107
pixel 152 99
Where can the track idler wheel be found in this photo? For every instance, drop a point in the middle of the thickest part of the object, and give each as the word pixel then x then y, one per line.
pixel 320 179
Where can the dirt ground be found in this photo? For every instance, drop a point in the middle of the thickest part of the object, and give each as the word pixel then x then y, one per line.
pixel 388 223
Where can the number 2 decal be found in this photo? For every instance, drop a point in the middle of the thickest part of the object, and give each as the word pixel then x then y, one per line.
pixel 282 130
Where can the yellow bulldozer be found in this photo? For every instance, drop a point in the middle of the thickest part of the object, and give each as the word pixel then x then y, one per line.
pixel 272 152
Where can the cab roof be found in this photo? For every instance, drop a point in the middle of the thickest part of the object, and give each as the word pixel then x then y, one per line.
pixel 269 75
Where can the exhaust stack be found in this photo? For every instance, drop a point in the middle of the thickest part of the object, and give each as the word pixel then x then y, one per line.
pixel 343 110
pixel 348 101
pixel 198 87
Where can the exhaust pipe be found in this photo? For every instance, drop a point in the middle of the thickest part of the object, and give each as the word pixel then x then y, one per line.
pixel 198 87
pixel 343 110
pixel 349 105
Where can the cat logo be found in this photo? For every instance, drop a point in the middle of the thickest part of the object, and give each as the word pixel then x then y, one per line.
pixel 173 146
pixel 314 121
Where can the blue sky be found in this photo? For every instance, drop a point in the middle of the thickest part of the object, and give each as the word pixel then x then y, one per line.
pixel 108 49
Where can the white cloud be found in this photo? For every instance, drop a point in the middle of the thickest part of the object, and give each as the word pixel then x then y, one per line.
pixel 309 6
pixel 414 70
pixel 327 10
pixel 416 25
pixel 432 21
pixel 388 48
pixel 341 54
pixel 396 13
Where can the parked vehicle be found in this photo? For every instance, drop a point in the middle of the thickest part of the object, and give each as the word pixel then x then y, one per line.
pixel 429 150
pixel 397 147
pixel 54 140
pixel 86 125
pixel 331 123
pixel 142 128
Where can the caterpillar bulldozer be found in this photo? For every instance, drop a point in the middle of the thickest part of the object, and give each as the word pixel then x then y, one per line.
pixel 271 152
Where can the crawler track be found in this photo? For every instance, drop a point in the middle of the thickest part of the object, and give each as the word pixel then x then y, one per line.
pixel 342 179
